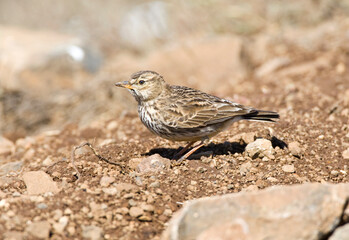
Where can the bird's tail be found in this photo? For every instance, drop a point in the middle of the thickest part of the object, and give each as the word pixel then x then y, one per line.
pixel 260 115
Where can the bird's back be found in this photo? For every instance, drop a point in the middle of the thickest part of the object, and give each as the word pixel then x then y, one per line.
pixel 184 114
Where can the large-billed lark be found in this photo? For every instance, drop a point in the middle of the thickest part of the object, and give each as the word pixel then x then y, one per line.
pixel 184 114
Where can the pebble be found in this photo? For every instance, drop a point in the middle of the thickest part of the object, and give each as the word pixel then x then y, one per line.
pixel 47 162
pixel 110 191
pixel 92 232
pixel 250 188
pixel 288 168
pixel 334 173
pixel 245 168
pixel 126 187
pixel 132 203
pixel 272 179
pixel 158 191
pixel 260 148
pixel 39 230
pixel 145 218
pixel 155 184
pixel 153 163
pixel 122 210
pixel 6 146
pixel 136 212
pixel 345 154
pixel 106 181
pixel 147 207
pixel 10 167
pixel 139 181
pixel 133 163
pixel 167 212
pixel 295 149
pixel 39 182
pixel 14 235
pixel 61 224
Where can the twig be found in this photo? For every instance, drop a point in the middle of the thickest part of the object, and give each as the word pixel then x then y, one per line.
pixel 95 153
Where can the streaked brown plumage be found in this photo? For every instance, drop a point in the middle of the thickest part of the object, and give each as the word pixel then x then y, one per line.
pixel 184 114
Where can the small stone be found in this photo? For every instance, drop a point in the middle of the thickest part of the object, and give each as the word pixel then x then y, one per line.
pixel 14 235
pixel 112 125
pixel 68 211
pixel 16 194
pixel 334 173
pixel 57 214
pixel 155 184
pixel 288 168
pixel 245 168
pixel 251 188
pixel 295 149
pixel 345 154
pixel 39 182
pixel 167 212
pixel 147 207
pixel 81 151
pixel 47 161
pixel 110 191
pixel 139 181
pixel 145 218
pixel 136 212
pixel 92 232
pixel 133 163
pixel 10 167
pixel 199 170
pixel 126 187
pixel 272 179
pixel 260 148
pixel 71 230
pixel 248 137
pixel 122 210
pixel 39 230
pixel 106 181
pixel 132 203
pixel 41 205
pixel 6 146
pixel 2 195
pixel 153 163
pixel 61 224
pixel 158 191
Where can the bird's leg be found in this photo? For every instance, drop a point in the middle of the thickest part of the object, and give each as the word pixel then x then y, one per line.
pixel 202 143
pixel 183 150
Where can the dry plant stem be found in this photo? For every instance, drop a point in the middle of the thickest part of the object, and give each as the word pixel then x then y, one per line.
pixel 95 153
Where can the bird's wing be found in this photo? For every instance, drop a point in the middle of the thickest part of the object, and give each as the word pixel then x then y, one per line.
pixel 200 109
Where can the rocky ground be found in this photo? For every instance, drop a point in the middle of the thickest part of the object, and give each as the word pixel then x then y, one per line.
pixel 48 192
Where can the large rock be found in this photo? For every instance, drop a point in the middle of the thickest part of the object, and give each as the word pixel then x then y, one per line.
pixel 298 212
pixel 341 233
pixel 23 49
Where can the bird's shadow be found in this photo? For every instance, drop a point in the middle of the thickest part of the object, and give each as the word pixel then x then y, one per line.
pixel 212 149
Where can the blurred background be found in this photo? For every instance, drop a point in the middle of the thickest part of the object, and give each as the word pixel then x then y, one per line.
pixel 59 60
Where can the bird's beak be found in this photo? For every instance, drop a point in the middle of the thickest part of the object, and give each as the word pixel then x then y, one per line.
pixel 124 84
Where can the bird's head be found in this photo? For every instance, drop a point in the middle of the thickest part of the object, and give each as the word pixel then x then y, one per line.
pixel 144 85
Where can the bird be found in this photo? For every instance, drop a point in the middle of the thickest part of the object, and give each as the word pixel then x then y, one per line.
pixel 180 113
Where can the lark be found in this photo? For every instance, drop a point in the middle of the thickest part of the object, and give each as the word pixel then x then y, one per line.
pixel 181 113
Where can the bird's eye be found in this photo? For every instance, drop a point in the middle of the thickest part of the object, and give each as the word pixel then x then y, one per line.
pixel 141 82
